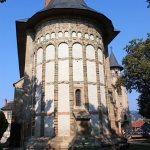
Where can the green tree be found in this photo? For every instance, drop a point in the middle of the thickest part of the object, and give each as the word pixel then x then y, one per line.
pixel 1 1
pixel 3 124
pixel 136 74
pixel 148 3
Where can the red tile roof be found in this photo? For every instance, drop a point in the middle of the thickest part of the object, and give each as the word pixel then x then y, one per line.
pixel 8 106
pixel 137 123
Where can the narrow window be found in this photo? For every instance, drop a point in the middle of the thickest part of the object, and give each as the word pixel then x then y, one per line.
pixel 119 91
pixel 9 115
pixel 52 35
pixel 79 34
pixel 86 36
pixel 91 37
pixel 47 36
pixel 60 34
pixel 42 38
pixel 78 97
pixel 73 34
pixel 125 117
pixel 66 34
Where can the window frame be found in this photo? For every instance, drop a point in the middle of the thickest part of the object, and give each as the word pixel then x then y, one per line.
pixel 9 115
pixel 81 88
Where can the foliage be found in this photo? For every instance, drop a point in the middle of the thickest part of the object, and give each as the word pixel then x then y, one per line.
pixel 1 146
pixel 147 120
pixel 136 74
pixel 148 3
pixel 84 145
pixel 139 147
pixel 1 1
pixel 3 124
pixel 144 104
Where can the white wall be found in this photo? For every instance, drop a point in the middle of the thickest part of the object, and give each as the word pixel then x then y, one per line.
pixel 63 110
pixel 63 70
pixel 90 52
pixel 49 72
pixel 91 71
pixel 63 50
pixel 37 110
pixel 101 73
pixel 100 56
pixel 77 50
pixel 49 108
pixel 77 70
pixel 104 110
pixel 39 56
pixel 93 106
pixel 50 52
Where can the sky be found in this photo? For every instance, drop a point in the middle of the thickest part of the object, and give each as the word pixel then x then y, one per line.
pixel 131 17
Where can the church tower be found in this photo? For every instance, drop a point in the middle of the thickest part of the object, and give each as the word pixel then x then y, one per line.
pixel 64 71
pixel 120 99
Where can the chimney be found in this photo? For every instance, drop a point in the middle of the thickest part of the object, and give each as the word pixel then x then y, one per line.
pixel 5 102
pixel 47 2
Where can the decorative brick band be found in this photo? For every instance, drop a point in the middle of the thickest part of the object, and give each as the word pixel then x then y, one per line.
pixel 63 113
pixel 94 112
pixel 92 83
pixel 104 113
pixel 49 83
pixel 45 114
pixel 61 82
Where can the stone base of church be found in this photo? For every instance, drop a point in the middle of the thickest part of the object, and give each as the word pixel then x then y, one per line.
pixel 77 142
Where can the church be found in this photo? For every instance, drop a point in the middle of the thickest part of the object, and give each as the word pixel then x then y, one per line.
pixel 66 96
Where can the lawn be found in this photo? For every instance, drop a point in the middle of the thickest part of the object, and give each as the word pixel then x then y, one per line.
pixel 138 147
pixel 1 147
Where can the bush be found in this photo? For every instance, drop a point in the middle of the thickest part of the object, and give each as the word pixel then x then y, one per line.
pixel 3 124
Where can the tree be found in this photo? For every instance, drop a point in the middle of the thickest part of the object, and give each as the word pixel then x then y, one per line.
pixel 136 74
pixel 148 3
pixel 2 1
pixel 3 124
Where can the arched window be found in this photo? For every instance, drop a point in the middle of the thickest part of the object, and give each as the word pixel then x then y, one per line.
pixel 60 34
pixel 73 34
pixel 86 36
pixel 78 97
pixel 91 37
pixel 66 34
pixel 42 38
pixel 79 34
pixel 47 36
pixel 52 35
pixel 125 117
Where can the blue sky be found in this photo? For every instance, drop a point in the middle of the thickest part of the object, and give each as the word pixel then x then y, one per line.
pixel 132 18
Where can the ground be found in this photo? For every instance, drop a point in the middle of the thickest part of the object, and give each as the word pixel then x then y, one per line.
pixel 135 144
pixel 139 144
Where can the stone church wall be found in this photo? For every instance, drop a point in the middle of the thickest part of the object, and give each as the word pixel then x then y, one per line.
pixel 68 55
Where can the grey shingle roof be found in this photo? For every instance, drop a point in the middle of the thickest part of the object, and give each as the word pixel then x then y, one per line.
pixel 113 61
pixel 76 4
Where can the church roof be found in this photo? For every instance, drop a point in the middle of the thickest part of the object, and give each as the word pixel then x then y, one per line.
pixel 113 61
pixel 62 8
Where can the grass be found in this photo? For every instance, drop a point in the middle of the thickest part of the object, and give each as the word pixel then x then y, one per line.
pixel 138 147
pixel 134 146
pixel 1 147
pixel 146 140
